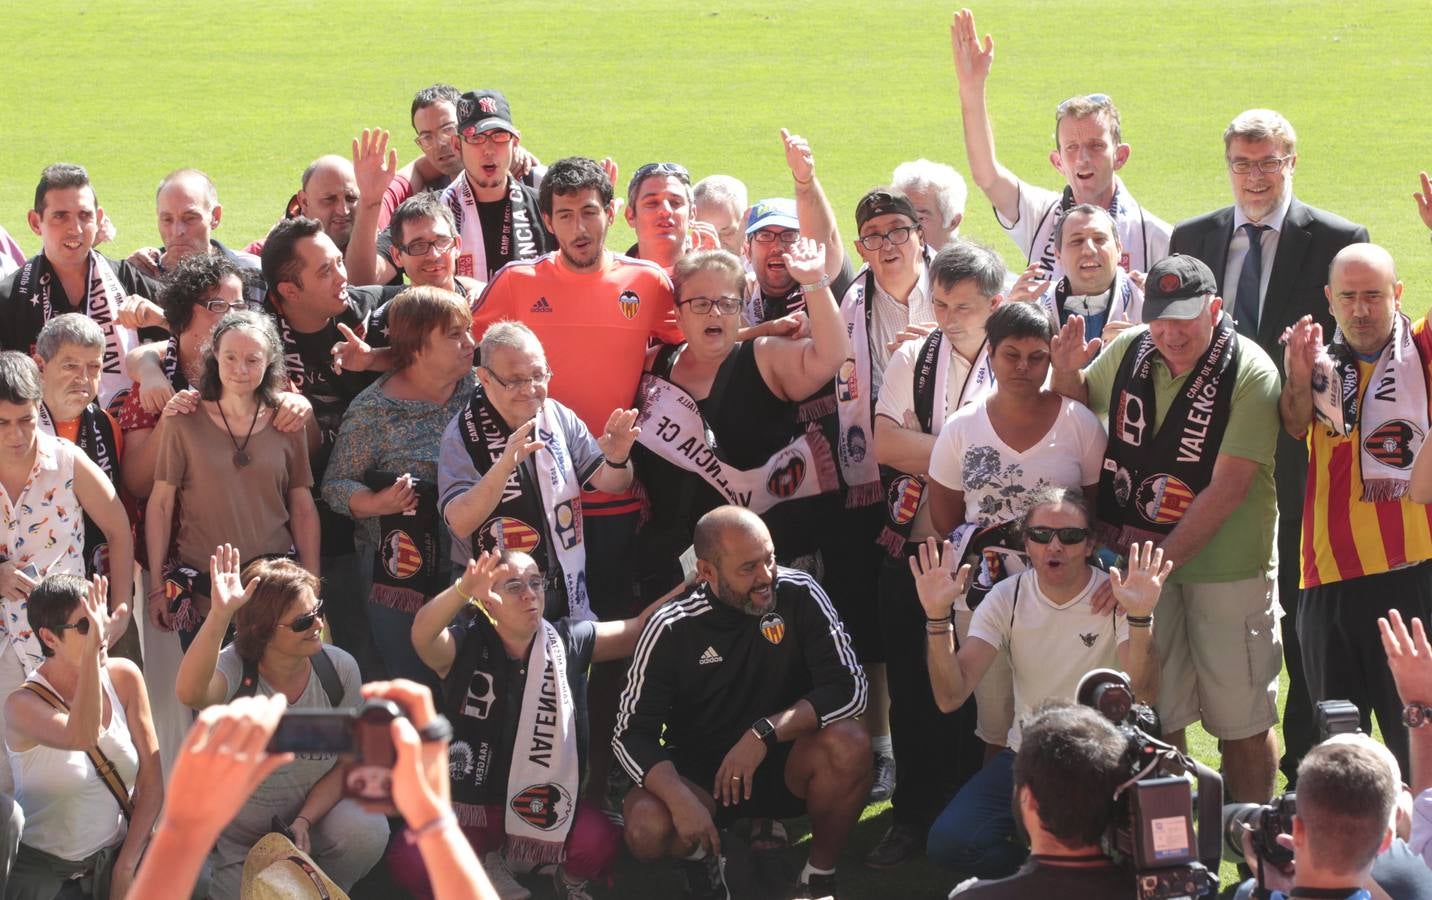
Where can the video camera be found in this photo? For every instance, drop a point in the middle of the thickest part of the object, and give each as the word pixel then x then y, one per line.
pixel 360 735
pixel 1153 829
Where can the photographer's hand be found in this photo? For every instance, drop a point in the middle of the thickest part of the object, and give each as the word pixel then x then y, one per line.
pixel 1273 876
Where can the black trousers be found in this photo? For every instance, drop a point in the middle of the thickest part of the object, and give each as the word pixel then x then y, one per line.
pixel 1299 733
pixel 935 752
pixel 851 562
pixel 1343 657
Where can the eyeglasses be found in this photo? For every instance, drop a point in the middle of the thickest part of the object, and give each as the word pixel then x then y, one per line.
pixel 521 384
pixel 428 139
pixel 224 306
pixel 659 168
pixel 770 237
pixel 895 236
pixel 478 138
pixel 305 621
pixel 1091 99
pixel 726 305
pixel 514 587
pixel 81 627
pixel 1270 166
pixel 1042 534
pixel 421 247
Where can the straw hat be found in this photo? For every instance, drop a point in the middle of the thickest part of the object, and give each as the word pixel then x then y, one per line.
pixel 277 870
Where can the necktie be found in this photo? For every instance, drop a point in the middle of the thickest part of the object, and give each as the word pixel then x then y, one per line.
pixel 1250 281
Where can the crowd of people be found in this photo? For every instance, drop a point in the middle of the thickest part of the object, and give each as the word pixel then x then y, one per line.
pixel 688 541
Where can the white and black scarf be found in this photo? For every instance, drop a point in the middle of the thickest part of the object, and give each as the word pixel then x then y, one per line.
pixel 1122 301
pixel 103 298
pixel 535 779
pixel 521 236
pixel 1149 479
pixel 1392 415
pixel 543 520
pixel 1122 209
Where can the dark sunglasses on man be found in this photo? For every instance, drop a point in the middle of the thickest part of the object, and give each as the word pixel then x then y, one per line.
pixel 1042 534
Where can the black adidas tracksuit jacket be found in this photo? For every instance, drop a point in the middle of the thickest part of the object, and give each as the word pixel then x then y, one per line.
pixel 707 671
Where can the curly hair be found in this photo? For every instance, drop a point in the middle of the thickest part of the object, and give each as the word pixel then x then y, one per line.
pixel 190 284
pixel 280 583
pixel 275 379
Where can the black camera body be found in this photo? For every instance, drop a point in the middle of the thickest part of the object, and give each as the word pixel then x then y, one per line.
pixel 360 735
pixel 1263 823
pixel 1153 831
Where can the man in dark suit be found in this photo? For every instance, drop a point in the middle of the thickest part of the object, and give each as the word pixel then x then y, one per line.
pixel 1269 284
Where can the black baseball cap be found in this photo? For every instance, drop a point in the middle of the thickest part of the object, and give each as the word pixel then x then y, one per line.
pixel 884 201
pixel 1176 287
pixel 479 111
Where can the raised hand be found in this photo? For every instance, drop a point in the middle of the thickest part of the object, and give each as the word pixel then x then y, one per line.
pixel 1138 593
pixel 352 353
pixel 477 579
pixel 798 156
pixel 702 236
pixel 1424 200
pixel 96 606
pixel 374 165
pixel 1409 656
pixel 522 162
pixel 619 435
pixel 805 261
pixel 520 445
pixel 1030 285
pixel 228 592
pixel 1068 350
pixel 1302 341
pixel 972 61
pixel 936 582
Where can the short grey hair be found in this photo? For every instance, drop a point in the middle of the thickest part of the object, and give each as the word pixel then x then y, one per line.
pixel 70 328
pixel 942 181
pixel 721 189
pixel 211 193
pixel 1261 125
pixel 962 260
pixel 507 333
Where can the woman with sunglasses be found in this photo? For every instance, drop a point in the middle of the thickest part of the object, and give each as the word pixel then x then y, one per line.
pixel 230 472
pixel 718 415
pixel 1046 621
pixel 384 467
pixel 277 617
pixel 77 701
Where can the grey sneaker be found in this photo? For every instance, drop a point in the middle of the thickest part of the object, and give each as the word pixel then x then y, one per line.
pixel 705 877
pixel 883 784
pixel 507 887
pixel 566 890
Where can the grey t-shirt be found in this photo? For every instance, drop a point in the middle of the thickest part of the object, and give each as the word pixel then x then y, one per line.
pixel 456 473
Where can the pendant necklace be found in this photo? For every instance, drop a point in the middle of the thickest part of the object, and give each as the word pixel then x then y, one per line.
pixel 241 458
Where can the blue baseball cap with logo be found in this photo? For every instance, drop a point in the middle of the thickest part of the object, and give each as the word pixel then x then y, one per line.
pixel 777 212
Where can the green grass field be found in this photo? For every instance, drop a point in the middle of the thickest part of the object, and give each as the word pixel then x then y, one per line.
pixel 251 92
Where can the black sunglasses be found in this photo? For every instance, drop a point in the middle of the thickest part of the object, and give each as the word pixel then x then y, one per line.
pixel 303 622
pixel 81 627
pixel 1042 534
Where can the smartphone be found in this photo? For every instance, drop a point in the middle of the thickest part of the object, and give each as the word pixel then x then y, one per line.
pixel 30 572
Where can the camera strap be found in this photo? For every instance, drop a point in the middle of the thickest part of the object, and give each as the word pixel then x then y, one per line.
pixel 322 665
pixel 107 772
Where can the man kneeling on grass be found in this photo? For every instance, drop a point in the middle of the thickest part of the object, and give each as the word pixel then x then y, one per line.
pixel 757 687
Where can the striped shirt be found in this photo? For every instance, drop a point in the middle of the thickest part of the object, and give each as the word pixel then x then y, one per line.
pixel 1343 535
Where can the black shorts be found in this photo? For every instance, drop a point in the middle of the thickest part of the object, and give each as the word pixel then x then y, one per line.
pixel 770 798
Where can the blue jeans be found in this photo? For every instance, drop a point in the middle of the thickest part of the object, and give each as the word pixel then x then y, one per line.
pixel 975 834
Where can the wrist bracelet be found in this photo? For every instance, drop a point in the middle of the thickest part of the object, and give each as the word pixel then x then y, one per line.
pixel 817 286
pixel 942 620
pixel 617 465
pixel 947 628
pixel 441 823
pixel 457 589
pixel 1140 621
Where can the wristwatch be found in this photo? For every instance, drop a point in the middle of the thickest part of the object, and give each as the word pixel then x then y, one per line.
pixel 763 729
pixel 1415 715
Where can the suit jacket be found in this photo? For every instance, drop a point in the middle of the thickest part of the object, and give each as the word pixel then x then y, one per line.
pixel 1307 244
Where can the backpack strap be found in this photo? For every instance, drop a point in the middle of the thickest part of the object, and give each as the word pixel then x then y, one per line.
pixel 322 666
pixel 102 765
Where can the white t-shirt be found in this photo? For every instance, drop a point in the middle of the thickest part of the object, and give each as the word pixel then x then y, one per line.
pixel 1143 236
pixel 998 482
pixel 897 397
pixel 888 317
pixel 1050 646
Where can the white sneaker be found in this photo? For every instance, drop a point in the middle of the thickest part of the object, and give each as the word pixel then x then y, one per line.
pixel 507 887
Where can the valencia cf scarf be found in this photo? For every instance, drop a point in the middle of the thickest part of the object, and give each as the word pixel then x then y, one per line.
pixel 520 237
pixel 855 400
pixel 97 440
pixel 1391 414
pixel 34 298
pixel 1121 302
pixel 1122 210
pixel 170 364
pixel 673 428
pixel 542 519
pixel 903 492
pixel 1149 479
pixel 535 778
pixel 406 569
